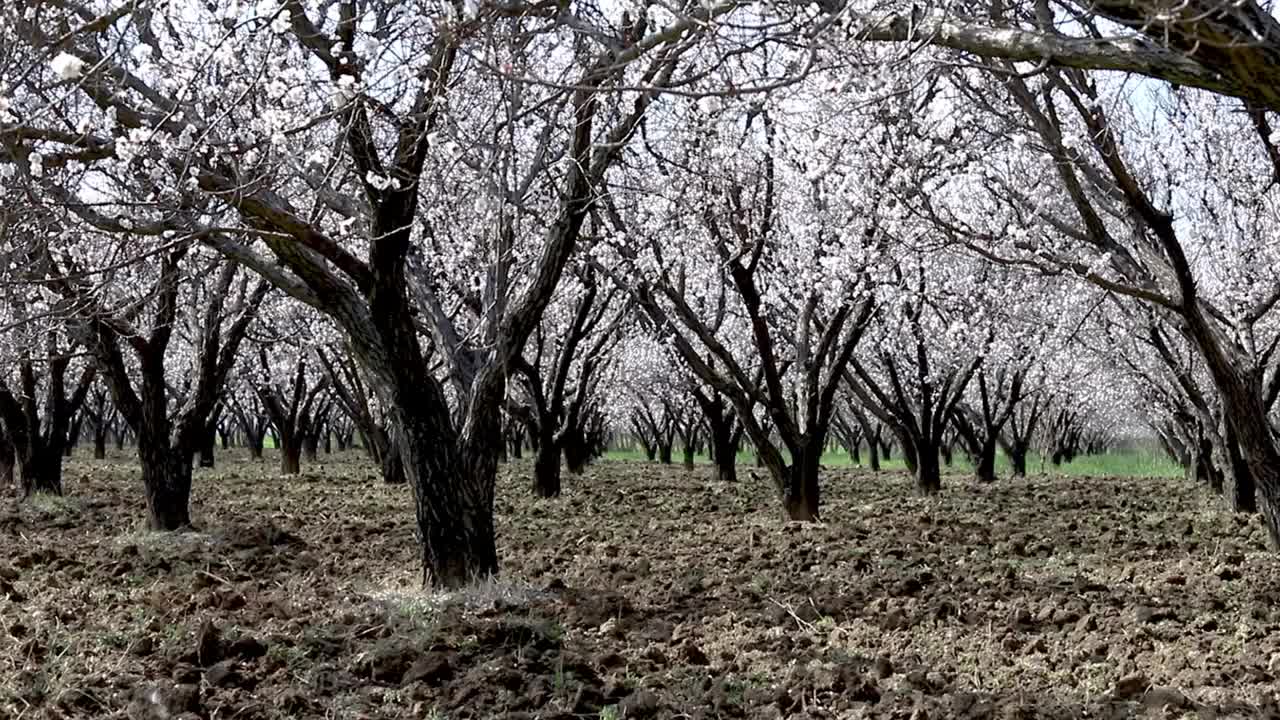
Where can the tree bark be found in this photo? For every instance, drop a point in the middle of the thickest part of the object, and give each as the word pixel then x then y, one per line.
pixel 546 466
pixel 99 442
pixel 452 495
pixel 290 455
pixel 1017 452
pixel 985 466
pixel 255 441
pixel 392 467
pixel 207 442
pixel 1242 493
pixel 7 460
pixel 664 453
pixel 166 478
pixel 928 470
pixel 801 497
pixel 40 471
pixel 724 449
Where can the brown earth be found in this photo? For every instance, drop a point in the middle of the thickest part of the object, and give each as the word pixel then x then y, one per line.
pixel 644 592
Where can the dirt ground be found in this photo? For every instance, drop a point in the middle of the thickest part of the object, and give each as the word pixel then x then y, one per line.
pixel 643 592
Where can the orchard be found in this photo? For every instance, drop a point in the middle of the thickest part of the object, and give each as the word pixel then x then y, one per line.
pixel 701 359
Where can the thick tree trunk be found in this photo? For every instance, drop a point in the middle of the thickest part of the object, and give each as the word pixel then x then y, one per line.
pixel 453 497
pixel 928 470
pixel 166 479
pixel 99 443
pixel 290 456
pixel 726 455
pixel 310 446
pixel 909 454
pixel 664 453
pixel 1242 494
pixel 392 467
pixel 801 497
pixel 1247 421
pixel 1205 470
pixel 255 442
pixel 873 456
pixel 947 454
pixel 688 456
pixel 7 460
pixel 577 450
pixel 1017 452
pixel 546 467
pixel 40 471
pixel 207 443
pixel 985 464
pixel 650 452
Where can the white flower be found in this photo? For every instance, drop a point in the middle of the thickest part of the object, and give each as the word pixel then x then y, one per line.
pixel 142 53
pixel 281 22
pixel 67 66
pixel 377 181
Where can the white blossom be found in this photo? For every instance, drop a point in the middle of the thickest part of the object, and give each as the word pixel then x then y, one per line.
pixel 67 66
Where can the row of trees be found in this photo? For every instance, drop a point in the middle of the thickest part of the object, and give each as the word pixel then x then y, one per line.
pixel 469 221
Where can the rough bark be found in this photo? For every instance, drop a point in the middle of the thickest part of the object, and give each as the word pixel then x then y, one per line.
pixel 985 466
pixel 546 465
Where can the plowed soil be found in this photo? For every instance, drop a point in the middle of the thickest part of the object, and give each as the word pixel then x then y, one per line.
pixel 645 591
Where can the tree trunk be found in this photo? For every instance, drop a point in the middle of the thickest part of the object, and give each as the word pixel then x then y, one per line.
pixel 290 456
pixel 577 450
pixel 1017 452
pixel 6 461
pixel 255 443
pixel 546 467
pixel 453 497
pixel 985 466
pixel 1242 493
pixel 873 456
pixel 650 452
pixel 947 454
pixel 40 471
pixel 207 442
pixel 726 455
pixel 689 455
pixel 664 453
pixel 800 499
pixel 166 478
pixel 909 455
pixel 1205 470
pixel 392 467
pixel 310 446
pixel 99 443
pixel 928 470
